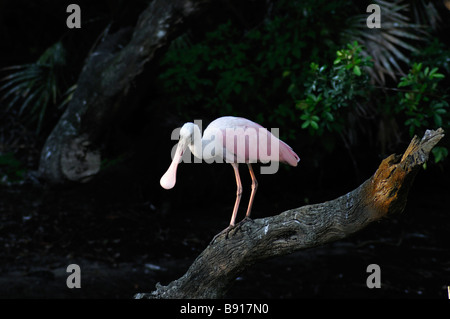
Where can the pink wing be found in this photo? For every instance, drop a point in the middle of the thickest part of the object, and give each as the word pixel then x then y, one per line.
pixel 249 142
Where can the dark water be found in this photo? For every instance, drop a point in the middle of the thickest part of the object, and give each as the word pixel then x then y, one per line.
pixel 125 245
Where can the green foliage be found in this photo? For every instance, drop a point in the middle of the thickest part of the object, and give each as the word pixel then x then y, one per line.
pixel 11 169
pixel 31 89
pixel 329 90
pixel 440 153
pixel 422 103
pixel 418 103
pixel 235 72
pixel 434 53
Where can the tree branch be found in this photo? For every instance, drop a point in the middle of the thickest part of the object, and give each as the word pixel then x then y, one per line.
pixel 71 152
pixel 215 269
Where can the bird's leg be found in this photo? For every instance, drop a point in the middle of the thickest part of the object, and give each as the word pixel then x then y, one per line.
pixel 236 204
pixel 254 188
pixel 238 193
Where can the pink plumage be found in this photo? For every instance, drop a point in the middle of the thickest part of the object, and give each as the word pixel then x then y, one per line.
pixel 257 145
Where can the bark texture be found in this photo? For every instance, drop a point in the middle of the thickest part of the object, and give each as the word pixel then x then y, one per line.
pixel 215 269
pixel 71 152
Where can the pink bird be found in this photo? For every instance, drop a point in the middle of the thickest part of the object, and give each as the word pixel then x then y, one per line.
pixel 233 140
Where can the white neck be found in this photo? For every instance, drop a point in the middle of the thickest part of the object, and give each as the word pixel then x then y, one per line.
pixel 197 144
pixel 207 147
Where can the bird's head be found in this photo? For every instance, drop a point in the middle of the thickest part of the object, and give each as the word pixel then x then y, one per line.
pixel 187 133
pixel 168 180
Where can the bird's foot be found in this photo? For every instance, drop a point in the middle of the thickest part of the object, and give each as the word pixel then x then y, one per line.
pixel 226 231
pixel 232 227
pixel 247 219
pixel 242 222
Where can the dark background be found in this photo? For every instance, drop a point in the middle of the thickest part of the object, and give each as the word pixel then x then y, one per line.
pixel 127 233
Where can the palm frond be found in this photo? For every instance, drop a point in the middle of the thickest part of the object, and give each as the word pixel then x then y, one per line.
pixel 391 45
pixel 29 88
pixel 67 96
pixel 426 13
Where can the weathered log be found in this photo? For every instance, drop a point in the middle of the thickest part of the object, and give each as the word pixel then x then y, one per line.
pixel 215 269
pixel 70 152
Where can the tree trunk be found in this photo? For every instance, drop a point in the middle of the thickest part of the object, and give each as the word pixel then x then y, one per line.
pixel 70 152
pixel 213 272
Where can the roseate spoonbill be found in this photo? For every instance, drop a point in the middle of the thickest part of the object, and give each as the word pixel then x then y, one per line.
pixel 233 140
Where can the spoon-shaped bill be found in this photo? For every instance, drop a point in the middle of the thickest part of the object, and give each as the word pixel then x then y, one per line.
pixel 168 180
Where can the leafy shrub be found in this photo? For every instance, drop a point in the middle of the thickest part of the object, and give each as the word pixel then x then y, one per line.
pixel 423 104
pixel 422 107
pixel 328 90
pixel 248 72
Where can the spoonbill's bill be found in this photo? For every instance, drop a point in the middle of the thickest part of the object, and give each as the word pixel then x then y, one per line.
pixel 232 140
